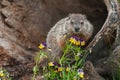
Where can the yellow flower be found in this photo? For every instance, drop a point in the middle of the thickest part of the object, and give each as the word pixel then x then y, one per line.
pixel 60 69
pixel 81 75
pixel 56 71
pixel 82 43
pixel 41 46
pixel 50 64
pixel 1 75
pixel 77 43
pixel 67 69
pixel 72 40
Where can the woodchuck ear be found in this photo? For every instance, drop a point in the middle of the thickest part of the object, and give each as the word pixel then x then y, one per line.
pixel 69 16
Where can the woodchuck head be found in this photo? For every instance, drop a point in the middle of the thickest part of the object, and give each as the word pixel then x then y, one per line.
pixel 79 25
pixel 77 22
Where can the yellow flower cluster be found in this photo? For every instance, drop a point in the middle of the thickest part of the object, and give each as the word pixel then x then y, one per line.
pixel 59 69
pixel 52 64
pixel 77 42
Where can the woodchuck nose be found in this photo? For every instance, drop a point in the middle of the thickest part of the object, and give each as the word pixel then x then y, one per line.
pixel 74 24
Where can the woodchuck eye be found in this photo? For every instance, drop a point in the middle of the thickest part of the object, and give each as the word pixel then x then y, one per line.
pixel 82 22
pixel 71 22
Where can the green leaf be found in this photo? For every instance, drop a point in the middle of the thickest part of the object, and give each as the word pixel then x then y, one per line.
pixel 35 69
pixel 77 58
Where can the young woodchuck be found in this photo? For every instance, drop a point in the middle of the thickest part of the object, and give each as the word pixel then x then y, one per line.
pixel 74 24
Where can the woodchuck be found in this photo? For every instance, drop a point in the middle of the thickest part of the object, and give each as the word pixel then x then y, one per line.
pixel 74 24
